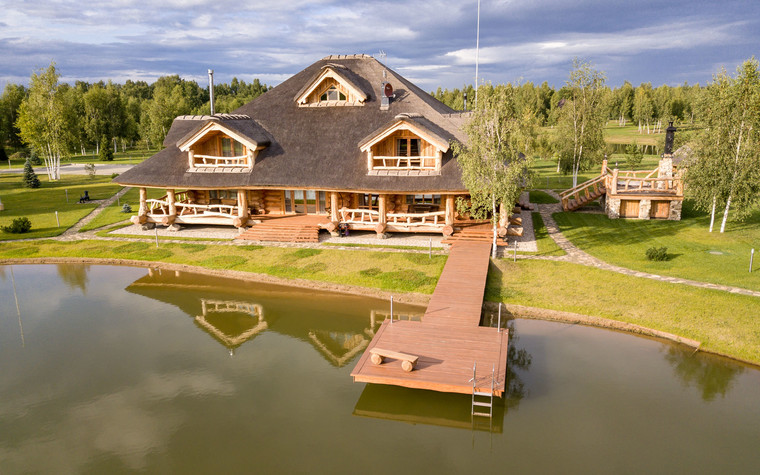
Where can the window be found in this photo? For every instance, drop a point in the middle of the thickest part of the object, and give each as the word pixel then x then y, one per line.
pixel 368 201
pixel 407 147
pixel 423 199
pixel 332 94
pixel 222 194
pixel 231 148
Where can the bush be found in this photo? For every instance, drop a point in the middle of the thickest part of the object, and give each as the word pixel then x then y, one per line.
pixel 18 226
pixel 30 178
pixel 35 159
pixel 106 153
pixel 89 168
pixel 3 155
pixel 18 156
pixel 126 208
pixel 657 253
pixel 633 155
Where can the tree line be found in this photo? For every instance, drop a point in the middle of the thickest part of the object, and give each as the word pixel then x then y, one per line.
pixel 643 105
pixel 54 118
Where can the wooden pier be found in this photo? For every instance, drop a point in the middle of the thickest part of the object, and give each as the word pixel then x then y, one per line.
pixel 449 339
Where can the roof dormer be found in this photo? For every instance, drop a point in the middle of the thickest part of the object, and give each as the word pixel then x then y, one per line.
pixel 332 86
pixel 224 143
pixel 408 144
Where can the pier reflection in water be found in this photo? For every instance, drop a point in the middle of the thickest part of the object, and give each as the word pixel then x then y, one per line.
pixel 234 321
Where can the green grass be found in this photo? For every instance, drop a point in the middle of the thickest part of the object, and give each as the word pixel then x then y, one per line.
pixel 694 252
pixel 539 197
pixel 129 157
pixel 112 214
pixel 393 271
pixel 544 242
pixel 40 205
pixel 721 321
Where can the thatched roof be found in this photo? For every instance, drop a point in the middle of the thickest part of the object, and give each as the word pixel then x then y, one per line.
pixel 315 147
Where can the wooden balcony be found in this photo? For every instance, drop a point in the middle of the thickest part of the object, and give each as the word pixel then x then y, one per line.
pixel 215 161
pixel 404 163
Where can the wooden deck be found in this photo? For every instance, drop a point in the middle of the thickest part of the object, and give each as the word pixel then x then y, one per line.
pixel 449 339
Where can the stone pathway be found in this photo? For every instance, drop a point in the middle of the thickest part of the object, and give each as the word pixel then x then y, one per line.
pixel 87 219
pixel 578 256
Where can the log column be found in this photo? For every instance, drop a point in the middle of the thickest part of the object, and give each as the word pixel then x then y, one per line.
pixel 171 200
pixel 142 212
pixel 382 208
pixel 448 229
pixel 191 159
pixel 242 205
pixel 332 226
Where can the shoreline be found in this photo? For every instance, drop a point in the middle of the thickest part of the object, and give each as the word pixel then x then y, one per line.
pixel 513 310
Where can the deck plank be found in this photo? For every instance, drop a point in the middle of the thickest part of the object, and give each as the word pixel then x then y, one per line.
pixel 448 339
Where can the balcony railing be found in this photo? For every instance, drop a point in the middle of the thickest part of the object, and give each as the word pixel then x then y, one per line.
pixel 404 163
pixel 214 161
pixel 161 208
pixel 371 216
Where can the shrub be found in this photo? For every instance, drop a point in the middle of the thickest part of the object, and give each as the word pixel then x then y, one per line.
pixel 18 156
pixel 3 155
pixel 114 175
pixel 126 208
pixel 106 153
pixel 657 253
pixel 18 226
pixel 633 155
pixel 30 178
pixel 89 168
pixel 34 157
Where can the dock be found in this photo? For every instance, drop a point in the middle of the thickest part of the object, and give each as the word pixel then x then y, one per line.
pixel 448 340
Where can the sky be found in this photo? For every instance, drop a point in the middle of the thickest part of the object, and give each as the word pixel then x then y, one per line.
pixel 430 42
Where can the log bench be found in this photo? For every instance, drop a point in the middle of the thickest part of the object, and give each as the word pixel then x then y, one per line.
pixel 407 361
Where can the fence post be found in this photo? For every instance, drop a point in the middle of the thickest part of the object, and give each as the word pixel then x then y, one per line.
pixel 57 221
pixel 751 258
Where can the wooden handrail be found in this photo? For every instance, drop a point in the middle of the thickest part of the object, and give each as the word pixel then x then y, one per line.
pixel 416 219
pixel 395 162
pixel 216 161
pixel 581 187
pixel 348 215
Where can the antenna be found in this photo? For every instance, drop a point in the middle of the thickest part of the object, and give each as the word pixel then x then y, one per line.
pixel 382 54
pixel 477 54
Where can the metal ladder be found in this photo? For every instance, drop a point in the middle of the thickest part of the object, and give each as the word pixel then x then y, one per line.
pixel 479 397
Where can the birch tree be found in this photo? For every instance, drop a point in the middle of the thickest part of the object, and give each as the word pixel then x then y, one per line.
pixel 726 168
pixel 494 167
pixel 580 128
pixel 42 120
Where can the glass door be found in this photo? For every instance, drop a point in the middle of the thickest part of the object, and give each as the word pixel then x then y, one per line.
pixel 299 203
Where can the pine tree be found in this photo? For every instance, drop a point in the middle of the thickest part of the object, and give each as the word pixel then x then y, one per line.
pixel 30 178
pixel 106 153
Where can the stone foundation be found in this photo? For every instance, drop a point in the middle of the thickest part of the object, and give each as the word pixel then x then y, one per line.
pixel 612 208
pixel 675 210
pixel 645 208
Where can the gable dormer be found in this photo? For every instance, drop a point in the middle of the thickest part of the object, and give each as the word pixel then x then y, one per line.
pixel 332 86
pixel 408 143
pixel 224 142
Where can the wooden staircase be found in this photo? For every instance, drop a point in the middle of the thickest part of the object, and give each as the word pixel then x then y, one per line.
pixel 584 193
pixel 479 233
pixel 271 231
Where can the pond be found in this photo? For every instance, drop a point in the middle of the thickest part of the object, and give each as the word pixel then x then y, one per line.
pixel 119 369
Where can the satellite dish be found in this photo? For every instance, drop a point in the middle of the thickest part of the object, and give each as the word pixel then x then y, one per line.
pixel 388 90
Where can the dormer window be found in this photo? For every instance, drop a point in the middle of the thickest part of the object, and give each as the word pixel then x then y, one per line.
pixel 332 94
pixel 407 147
pixel 231 148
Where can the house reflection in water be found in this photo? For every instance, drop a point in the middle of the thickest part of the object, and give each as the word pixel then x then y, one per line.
pixel 234 312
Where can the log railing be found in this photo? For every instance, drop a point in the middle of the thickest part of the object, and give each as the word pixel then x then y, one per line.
pixel 161 208
pixel 359 216
pixel 214 161
pixel 587 188
pixel 432 218
pixel 403 163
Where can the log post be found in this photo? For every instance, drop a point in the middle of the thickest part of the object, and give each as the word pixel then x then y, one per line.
pixel 143 211
pixel 382 208
pixel 604 166
pixel 171 199
pixel 450 206
pixel 503 219
pixel 242 204
pixel 613 187
pixel 334 206
pixel 191 159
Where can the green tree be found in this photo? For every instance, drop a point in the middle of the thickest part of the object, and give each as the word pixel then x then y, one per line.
pixel 105 154
pixel 725 170
pixel 169 100
pixel 643 108
pixel 10 102
pixel 43 119
pixel 633 155
pixel 580 126
pixel 30 178
pixel 494 169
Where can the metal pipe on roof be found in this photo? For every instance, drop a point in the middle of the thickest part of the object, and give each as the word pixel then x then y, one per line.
pixel 211 89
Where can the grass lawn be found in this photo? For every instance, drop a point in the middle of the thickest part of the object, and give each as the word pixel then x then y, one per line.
pixel 723 322
pixel 544 242
pixel 394 271
pixel 120 158
pixel 539 197
pixel 546 175
pixel 694 252
pixel 113 214
pixel 40 205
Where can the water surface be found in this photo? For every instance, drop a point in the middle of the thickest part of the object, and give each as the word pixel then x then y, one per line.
pixel 111 369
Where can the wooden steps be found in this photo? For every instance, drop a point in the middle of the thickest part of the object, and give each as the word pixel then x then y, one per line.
pixel 270 231
pixel 584 199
